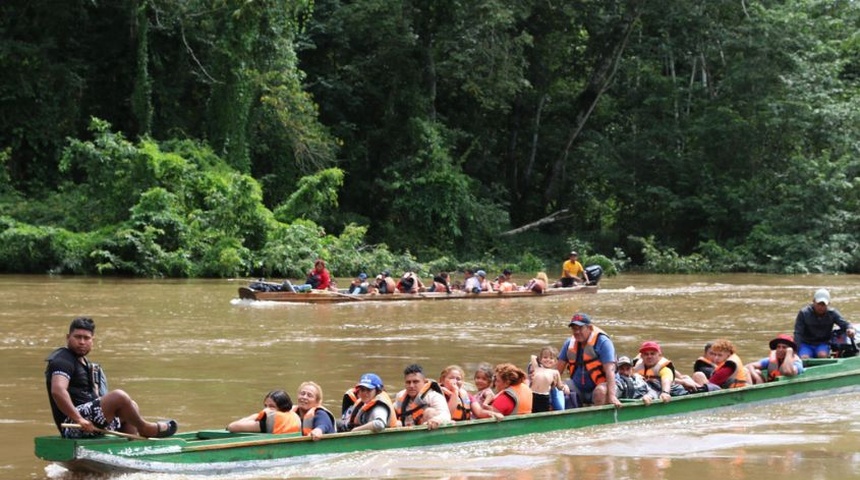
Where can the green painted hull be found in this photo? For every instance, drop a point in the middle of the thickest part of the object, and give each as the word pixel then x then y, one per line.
pixel 208 452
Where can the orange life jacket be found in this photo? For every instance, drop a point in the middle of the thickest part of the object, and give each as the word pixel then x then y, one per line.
pixel 773 366
pixel 361 410
pixel 464 406
pixel 652 375
pixel 279 422
pixel 739 378
pixel 308 418
pixel 590 360
pixel 412 413
pixel 521 394
pixel 705 366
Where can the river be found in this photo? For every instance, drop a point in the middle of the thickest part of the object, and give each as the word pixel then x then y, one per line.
pixel 190 350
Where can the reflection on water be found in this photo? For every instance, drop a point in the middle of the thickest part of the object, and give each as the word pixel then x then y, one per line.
pixel 189 350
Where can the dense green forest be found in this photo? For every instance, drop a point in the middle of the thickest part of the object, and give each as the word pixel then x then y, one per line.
pixel 247 137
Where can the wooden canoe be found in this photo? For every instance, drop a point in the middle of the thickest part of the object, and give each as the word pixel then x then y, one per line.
pixel 323 296
pixel 217 451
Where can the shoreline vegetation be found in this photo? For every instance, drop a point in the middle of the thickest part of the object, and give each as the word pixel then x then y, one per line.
pixel 180 140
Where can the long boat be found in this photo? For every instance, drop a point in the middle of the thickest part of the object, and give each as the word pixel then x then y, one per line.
pixel 326 296
pixel 218 452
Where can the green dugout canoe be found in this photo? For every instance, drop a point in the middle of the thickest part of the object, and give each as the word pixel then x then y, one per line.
pixel 217 451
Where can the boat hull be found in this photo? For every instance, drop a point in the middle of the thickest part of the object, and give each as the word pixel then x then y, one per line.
pixel 208 452
pixel 321 296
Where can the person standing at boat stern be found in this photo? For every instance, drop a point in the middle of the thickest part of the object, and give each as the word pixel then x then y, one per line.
pixel 77 391
pixel 813 327
pixel 589 357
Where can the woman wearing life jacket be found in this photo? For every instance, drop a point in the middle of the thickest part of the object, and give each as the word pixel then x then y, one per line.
pixel 373 409
pixel 459 402
pixel 276 417
pixel 730 371
pixel 513 396
pixel 316 419
pixel 782 361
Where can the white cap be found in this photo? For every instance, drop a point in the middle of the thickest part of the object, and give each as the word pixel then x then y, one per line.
pixel 822 296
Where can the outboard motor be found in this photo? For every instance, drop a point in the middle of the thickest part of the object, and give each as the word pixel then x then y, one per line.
pixel 594 273
pixel 841 345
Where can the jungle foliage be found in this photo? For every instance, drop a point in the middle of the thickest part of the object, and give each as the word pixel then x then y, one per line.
pixel 231 137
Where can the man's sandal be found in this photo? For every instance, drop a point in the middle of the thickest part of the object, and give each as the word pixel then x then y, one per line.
pixel 167 431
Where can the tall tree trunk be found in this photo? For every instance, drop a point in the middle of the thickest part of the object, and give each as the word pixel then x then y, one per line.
pixel 611 50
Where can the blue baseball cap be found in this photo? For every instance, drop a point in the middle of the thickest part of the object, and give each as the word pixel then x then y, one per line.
pixel 580 320
pixel 362 276
pixel 370 380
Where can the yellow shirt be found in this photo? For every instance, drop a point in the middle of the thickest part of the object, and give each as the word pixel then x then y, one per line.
pixel 571 269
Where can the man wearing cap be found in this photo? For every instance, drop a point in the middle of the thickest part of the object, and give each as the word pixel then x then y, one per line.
pixel 471 282
pixel 628 384
pixel 782 361
pixel 373 409
pixel 359 285
pixel 572 272
pixel 589 357
pixel 658 372
pixel 813 327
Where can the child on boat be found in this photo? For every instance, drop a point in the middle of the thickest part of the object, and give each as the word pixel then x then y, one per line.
pixel 459 401
pixel 548 390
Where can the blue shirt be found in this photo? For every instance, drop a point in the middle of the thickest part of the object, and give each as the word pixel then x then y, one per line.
pixel 605 352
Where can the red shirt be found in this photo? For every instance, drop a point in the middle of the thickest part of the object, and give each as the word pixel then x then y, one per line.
pixel 504 404
pixel 721 375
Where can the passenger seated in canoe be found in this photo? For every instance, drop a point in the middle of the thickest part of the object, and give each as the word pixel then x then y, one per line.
pixel 318 277
pixel 509 277
pixel 537 284
pixel 457 397
pixel 471 282
pixel 548 389
pixel 782 361
pixel 513 396
pixel 277 416
pixel 485 284
pixel 588 355
pixel 359 285
pixel 421 402
pixel 409 283
pixel 503 283
pixel 627 383
pixel 483 380
pixel 813 327
pixel 572 272
pixel 729 372
pixel 373 409
pixel 658 372
pixel 78 392
pixel 441 283
pixel 316 419
pixel 384 283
